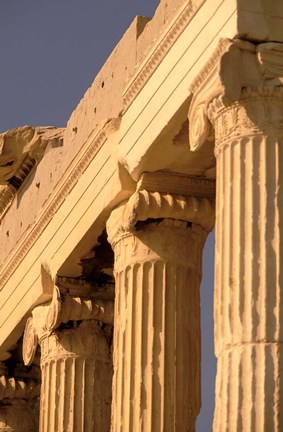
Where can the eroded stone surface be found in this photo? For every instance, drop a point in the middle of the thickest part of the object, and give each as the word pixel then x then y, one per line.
pixel 18 400
pixel 235 100
pixel 248 146
pixel 75 361
pixel 17 144
pixel 158 241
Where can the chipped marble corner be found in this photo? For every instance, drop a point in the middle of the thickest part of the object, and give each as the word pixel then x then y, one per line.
pixel 234 66
pixel 27 145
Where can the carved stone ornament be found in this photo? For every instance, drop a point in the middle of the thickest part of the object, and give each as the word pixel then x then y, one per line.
pixel 53 318
pixel 17 144
pixel 76 370
pixel 33 233
pixel 149 204
pixel 61 310
pixel 158 238
pixel 259 112
pixel 234 67
pixel 30 341
pixel 20 150
pixel 270 57
pixel 217 78
pixel 72 308
pixel 154 57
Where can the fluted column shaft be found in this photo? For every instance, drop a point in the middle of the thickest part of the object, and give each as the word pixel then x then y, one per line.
pixel 249 262
pixel 158 240
pixel 156 385
pixel 75 361
pixel 76 375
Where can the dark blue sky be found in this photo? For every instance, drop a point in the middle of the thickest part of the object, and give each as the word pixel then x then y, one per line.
pixel 50 52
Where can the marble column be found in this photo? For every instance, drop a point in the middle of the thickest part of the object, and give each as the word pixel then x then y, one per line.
pixel 158 240
pixel 248 306
pixel 249 241
pixel 76 363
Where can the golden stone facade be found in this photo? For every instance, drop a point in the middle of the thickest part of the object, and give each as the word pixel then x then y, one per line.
pixel 100 279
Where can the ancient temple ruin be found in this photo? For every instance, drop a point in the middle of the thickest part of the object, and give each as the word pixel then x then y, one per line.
pixel 103 225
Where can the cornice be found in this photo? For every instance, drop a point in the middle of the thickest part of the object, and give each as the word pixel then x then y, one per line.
pixel 69 180
pixel 20 149
pixel 7 195
pixel 147 66
pixel 10 190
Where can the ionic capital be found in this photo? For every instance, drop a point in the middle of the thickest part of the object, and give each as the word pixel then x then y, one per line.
pixel 259 112
pixel 165 196
pixel 62 309
pixel 236 72
pixel 74 308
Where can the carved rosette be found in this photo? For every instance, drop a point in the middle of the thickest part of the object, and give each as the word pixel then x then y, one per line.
pixel 158 239
pixel 30 341
pixel 200 127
